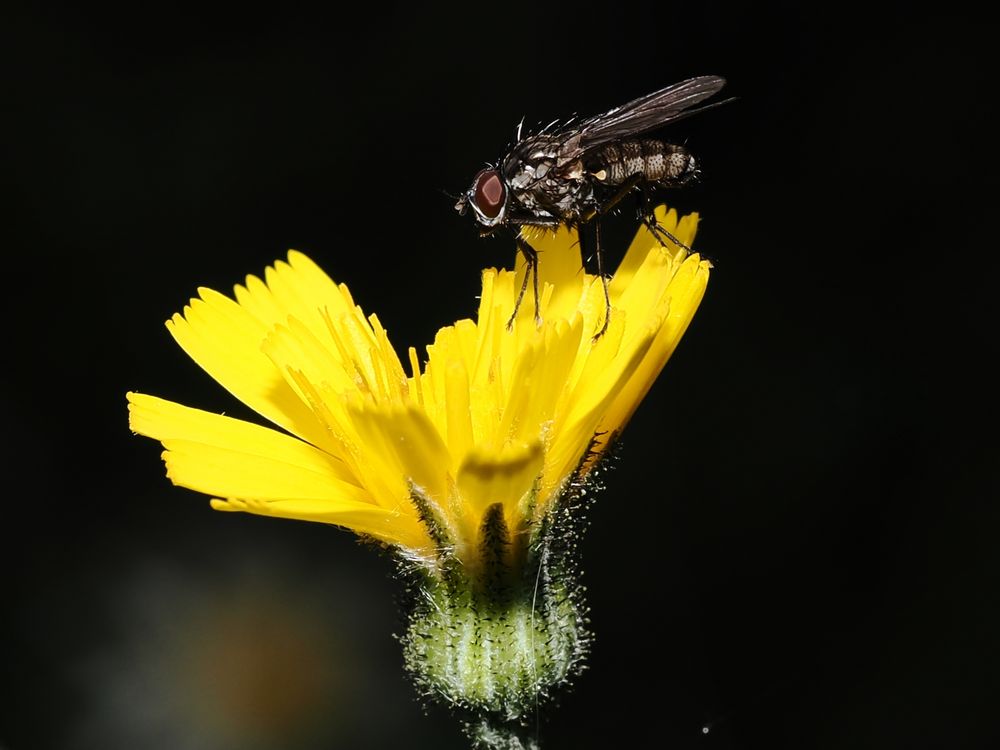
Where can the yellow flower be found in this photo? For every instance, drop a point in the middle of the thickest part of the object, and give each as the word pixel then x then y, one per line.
pixel 487 433
pixel 474 468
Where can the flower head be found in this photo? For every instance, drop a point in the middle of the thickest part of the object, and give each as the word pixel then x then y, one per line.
pixel 494 416
pixel 460 464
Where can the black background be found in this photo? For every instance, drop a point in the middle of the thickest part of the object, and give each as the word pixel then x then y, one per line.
pixel 798 546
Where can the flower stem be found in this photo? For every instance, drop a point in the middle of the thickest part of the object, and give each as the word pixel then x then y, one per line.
pixel 487 735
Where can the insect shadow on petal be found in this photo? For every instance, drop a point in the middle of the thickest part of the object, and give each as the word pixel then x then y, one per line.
pixel 574 173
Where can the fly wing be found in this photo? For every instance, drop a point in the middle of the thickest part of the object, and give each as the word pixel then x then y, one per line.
pixel 667 105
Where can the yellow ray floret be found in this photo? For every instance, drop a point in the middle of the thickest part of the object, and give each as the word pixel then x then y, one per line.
pixel 496 415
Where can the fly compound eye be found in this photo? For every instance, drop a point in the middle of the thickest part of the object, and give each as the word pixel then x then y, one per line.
pixel 489 193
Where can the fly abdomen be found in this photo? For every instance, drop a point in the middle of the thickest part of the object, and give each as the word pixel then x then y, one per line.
pixel 655 160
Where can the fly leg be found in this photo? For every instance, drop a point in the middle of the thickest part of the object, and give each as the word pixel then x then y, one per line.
pixel 530 269
pixel 648 218
pixel 599 257
pixel 604 279
pixel 624 189
pixel 530 259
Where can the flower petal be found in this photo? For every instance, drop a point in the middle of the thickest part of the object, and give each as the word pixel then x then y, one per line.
pixel 504 475
pixel 225 340
pixel 402 446
pixel 683 295
pixel 644 241
pixel 165 420
pixel 234 472
pixel 389 527
pixel 576 429
pixel 219 455
pixel 299 289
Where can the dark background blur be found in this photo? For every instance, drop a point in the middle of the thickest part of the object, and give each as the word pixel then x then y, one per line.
pixel 798 547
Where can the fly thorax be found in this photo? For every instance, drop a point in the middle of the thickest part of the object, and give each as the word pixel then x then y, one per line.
pixel 526 176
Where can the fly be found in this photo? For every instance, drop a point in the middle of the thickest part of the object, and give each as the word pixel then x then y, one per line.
pixel 575 173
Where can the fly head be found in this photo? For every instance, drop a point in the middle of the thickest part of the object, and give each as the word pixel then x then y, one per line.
pixel 487 197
